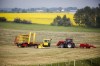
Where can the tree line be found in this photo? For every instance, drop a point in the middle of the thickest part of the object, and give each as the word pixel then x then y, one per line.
pixel 87 16
pixel 41 9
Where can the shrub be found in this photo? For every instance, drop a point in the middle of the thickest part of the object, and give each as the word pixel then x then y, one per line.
pixel 64 21
pixel 3 19
pixel 26 22
pixel 18 20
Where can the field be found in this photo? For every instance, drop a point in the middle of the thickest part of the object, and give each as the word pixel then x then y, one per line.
pixel 12 55
pixel 39 18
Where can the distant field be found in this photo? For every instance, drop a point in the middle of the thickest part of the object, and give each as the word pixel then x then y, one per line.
pixel 39 18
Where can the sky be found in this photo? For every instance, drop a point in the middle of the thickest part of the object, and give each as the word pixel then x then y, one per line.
pixel 47 3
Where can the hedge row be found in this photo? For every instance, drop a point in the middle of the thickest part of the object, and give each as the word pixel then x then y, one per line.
pixel 16 20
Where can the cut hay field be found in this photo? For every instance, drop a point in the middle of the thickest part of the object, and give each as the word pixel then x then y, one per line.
pixel 10 55
pixel 39 18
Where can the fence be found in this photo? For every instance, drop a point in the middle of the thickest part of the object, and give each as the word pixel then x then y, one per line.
pixel 88 62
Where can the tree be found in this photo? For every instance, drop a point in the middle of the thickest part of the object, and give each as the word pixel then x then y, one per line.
pixel 17 20
pixel 98 21
pixel 79 17
pixel 88 16
pixel 3 19
pixel 58 21
pixel 65 21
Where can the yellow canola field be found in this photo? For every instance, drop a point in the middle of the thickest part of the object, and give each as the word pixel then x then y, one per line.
pixel 39 18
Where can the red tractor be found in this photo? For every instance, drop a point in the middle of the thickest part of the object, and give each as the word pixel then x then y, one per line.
pixel 68 43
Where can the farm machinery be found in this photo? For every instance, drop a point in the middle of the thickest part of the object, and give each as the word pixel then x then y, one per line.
pixel 27 40
pixel 68 43
pixel 85 45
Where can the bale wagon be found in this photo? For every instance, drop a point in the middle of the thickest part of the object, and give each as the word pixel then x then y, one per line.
pixel 27 40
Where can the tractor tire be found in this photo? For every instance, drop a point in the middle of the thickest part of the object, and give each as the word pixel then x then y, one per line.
pixel 48 44
pixel 73 45
pixel 61 46
pixel 19 45
pixel 36 46
pixel 70 45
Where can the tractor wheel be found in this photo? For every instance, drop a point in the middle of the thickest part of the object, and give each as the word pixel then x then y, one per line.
pixel 70 45
pixel 48 44
pixel 19 45
pixel 61 46
pixel 36 46
pixel 73 45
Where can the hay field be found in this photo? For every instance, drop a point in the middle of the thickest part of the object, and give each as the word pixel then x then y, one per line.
pixel 39 18
pixel 12 55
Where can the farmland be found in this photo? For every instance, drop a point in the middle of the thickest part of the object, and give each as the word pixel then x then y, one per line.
pixel 39 18
pixel 12 55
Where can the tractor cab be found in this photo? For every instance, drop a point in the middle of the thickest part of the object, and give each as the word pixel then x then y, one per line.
pixel 69 40
pixel 47 42
pixel 69 43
